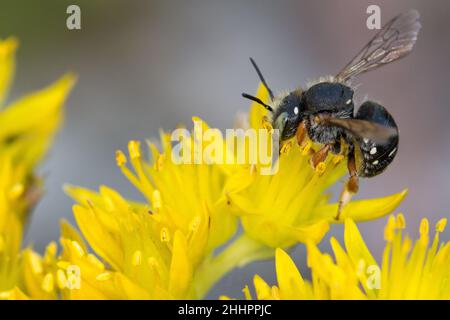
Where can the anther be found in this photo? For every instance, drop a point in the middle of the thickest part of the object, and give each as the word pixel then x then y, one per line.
pixel 134 149
pixel 121 159
pixel 440 226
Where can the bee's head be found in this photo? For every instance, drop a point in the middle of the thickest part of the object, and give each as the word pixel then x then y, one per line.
pixel 288 115
pixel 328 97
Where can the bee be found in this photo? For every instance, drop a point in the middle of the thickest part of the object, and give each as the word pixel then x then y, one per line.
pixel 324 111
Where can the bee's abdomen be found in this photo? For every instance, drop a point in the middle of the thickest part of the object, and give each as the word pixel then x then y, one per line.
pixel 376 155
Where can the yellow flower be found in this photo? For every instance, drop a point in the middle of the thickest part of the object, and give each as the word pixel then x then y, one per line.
pixel 292 205
pixel 27 127
pixel 163 248
pixel 408 270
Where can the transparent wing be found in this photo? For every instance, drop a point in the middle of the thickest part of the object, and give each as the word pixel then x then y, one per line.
pixel 394 41
pixel 364 129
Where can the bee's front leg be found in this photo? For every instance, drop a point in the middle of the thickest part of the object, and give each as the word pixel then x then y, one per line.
pixel 352 185
pixel 301 133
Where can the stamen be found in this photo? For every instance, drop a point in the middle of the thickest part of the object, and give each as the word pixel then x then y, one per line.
pixel 121 159
pixel 104 276
pixel 165 235
pixel 152 262
pixel 440 226
pixel 78 248
pixel 50 250
pixel 136 260
pixel 194 224
pixel 424 227
pixel 338 158
pixel 407 245
pixel 389 230
pixel 63 264
pixel 48 283
pixel 307 148
pixel 400 221
pixel 61 279
pixel 156 200
pixel 286 147
pixel 154 265
pixel 159 162
pixel 134 149
pixel 320 168
pixel 95 261
pixel 36 264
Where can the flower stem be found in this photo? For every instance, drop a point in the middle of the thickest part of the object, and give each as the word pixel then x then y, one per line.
pixel 242 251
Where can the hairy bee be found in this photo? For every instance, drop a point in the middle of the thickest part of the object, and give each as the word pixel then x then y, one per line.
pixel 325 111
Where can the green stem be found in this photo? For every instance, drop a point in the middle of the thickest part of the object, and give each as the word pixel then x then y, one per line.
pixel 239 253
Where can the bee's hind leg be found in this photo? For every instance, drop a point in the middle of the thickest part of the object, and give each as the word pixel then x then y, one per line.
pixel 352 185
pixel 320 155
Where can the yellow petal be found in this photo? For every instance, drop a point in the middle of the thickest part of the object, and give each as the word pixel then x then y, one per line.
pixel 247 294
pixel 36 131
pixel 180 267
pixel 44 104
pixel 131 289
pixel 7 65
pixel 69 232
pixel 314 232
pixel 289 279
pixel 362 210
pixel 14 294
pixel 257 112
pixel 355 245
pixel 263 290
pixel 103 243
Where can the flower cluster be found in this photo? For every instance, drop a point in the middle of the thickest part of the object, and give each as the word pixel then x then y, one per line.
pixel 195 222
pixel 408 270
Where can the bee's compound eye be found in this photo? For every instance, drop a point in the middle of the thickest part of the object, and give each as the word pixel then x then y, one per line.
pixel 296 110
pixel 348 101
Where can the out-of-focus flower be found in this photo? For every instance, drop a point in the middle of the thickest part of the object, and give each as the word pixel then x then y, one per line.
pixel 27 128
pixel 292 205
pixel 408 270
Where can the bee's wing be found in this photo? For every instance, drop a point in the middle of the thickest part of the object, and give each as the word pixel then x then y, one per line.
pixel 394 41
pixel 364 129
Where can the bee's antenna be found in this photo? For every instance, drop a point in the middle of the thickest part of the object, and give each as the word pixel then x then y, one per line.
pixel 261 78
pixel 257 100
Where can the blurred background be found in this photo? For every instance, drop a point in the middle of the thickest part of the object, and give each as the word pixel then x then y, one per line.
pixel 145 65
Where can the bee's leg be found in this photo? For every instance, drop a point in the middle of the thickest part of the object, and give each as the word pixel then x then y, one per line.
pixel 301 133
pixel 352 185
pixel 320 156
